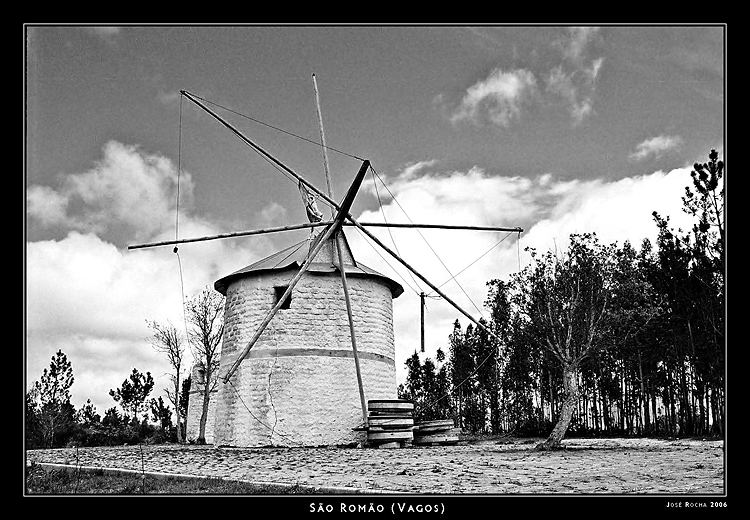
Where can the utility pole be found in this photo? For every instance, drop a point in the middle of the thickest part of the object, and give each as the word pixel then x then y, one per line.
pixel 421 319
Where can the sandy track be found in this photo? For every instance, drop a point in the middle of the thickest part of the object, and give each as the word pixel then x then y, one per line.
pixel 586 466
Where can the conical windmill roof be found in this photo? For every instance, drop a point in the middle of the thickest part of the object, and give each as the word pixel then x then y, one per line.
pixel 325 262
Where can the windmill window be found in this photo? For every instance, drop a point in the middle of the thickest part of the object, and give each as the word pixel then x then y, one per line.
pixel 280 290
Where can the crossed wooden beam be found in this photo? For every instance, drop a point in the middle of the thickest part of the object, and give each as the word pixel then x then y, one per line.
pixel 332 230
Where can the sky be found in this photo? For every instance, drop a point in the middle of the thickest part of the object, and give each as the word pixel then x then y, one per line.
pixel 555 129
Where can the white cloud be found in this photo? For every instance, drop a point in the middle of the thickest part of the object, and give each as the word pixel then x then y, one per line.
pixel 128 190
pixel 577 41
pixel 655 147
pixel 498 98
pixel 548 208
pixel 91 298
pixel 168 97
pixel 272 213
pixel 573 81
pixel 412 169
pixel 46 205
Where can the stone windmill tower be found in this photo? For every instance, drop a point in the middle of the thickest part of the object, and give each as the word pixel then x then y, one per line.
pixel 298 382
pixel 308 331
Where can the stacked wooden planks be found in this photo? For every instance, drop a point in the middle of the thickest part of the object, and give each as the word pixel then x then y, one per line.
pixel 390 423
pixel 436 433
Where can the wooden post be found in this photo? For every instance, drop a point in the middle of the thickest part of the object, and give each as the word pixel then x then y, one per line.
pixel 339 248
pixel 323 145
pixel 421 319
pixel 363 402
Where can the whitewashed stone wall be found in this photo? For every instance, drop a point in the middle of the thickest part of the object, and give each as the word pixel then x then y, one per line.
pixel 298 385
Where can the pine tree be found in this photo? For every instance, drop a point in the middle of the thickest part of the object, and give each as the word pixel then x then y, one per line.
pixel 133 393
pixel 53 394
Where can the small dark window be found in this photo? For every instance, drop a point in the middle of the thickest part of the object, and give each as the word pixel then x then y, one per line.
pixel 279 293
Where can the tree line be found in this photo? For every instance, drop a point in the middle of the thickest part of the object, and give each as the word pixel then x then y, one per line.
pixel 52 421
pixel 599 339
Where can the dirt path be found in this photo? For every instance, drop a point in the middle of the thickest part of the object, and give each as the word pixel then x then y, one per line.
pixel 586 466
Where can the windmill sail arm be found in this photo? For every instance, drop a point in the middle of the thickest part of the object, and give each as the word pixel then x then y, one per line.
pixel 421 277
pixel 346 204
pixel 438 226
pixel 260 150
pixel 309 185
pixel 292 227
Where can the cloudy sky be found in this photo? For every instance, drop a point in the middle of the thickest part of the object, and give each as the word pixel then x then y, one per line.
pixel 553 129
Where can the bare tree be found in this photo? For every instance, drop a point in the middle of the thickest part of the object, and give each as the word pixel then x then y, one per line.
pixel 205 312
pixel 168 341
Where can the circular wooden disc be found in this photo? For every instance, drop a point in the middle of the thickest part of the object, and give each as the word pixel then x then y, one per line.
pixel 389 429
pixel 434 429
pixel 390 422
pixel 444 431
pixel 439 422
pixel 386 415
pixel 394 405
pixel 402 435
pixel 435 438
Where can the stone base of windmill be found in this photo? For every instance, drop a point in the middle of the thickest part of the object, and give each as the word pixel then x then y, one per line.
pixel 390 423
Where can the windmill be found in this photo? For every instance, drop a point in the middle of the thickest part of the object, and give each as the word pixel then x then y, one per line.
pixel 329 249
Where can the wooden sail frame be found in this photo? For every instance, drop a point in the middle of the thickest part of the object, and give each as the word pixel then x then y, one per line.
pixel 332 231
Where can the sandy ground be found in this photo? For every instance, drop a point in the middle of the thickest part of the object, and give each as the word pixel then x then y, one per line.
pixel 592 466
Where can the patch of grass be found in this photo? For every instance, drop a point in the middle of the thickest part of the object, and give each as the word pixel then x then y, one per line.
pixel 40 481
